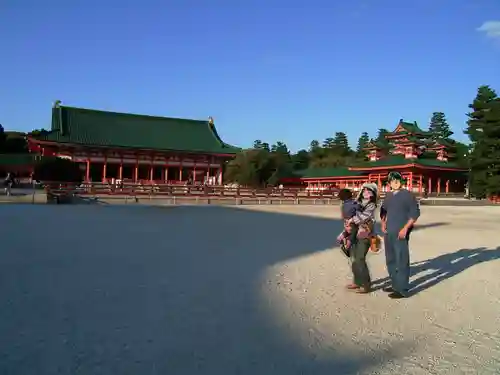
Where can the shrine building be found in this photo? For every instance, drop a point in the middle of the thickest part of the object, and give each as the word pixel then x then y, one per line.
pixel 135 148
pixel 426 164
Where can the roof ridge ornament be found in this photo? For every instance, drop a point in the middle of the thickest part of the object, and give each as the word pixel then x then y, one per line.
pixel 210 120
pixel 57 104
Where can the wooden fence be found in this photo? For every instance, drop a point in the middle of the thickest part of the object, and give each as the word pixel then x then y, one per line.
pixel 189 193
pixel 202 194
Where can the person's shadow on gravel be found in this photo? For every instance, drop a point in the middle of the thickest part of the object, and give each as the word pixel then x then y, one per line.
pixel 445 267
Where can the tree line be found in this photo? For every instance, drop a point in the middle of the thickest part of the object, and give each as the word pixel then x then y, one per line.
pixel 14 142
pixel 264 164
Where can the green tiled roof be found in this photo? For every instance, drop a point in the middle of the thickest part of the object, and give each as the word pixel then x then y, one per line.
pixel 411 128
pixel 444 142
pixel 111 129
pixel 326 172
pixel 397 160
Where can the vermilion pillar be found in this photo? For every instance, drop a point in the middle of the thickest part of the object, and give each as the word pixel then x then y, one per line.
pixel 104 168
pixel 87 172
pixel 136 170
pixel 120 170
pixel 219 176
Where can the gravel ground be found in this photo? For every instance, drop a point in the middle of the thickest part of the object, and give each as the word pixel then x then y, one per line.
pixel 224 290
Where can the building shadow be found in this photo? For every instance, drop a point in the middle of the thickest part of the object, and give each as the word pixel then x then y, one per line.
pixel 148 290
pixel 444 267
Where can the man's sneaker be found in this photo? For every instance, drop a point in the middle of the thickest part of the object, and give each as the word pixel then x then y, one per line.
pixel 396 295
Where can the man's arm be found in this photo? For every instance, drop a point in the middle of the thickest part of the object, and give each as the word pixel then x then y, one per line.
pixel 383 207
pixel 383 212
pixel 414 213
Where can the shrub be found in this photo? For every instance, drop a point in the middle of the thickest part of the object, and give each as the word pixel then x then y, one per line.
pixel 57 170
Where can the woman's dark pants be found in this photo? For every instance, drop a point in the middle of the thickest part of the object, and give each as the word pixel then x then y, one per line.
pixel 359 266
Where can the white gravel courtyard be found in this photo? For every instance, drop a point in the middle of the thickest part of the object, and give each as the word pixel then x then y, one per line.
pixel 255 290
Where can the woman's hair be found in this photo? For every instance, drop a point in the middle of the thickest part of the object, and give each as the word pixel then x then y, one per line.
pixel 345 194
pixel 373 198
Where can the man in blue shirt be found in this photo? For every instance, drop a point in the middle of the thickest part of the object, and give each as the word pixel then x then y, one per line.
pixel 399 213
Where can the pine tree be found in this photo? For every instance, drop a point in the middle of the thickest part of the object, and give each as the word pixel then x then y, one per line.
pixel 314 145
pixel 484 132
pixel 329 143
pixel 382 141
pixel 341 143
pixel 362 142
pixel 439 127
pixel 257 144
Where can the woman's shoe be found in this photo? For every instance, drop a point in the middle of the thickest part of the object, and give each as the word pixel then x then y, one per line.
pixel 352 286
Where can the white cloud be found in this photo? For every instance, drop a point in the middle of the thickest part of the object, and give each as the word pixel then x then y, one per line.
pixel 491 29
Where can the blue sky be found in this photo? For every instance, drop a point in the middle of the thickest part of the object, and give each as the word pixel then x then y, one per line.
pixel 269 69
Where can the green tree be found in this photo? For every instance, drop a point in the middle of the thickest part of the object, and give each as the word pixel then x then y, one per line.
pixel 382 140
pixel 315 150
pixel 461 151
pixel 2 139
pixel 57 170
pixel 248 168
pixel 439 127
pixel 381 135
pixel 281 148
pixel 341 144
pixel 259 145
pixel 38 132
pixel 483 129
pixel 329 143
pixel 362 142
pixel 260 167
pixel 300 160
pixel 314 145
pixel 15 143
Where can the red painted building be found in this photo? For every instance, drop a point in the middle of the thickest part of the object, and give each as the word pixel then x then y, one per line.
pixel 425 163
pixel 131 147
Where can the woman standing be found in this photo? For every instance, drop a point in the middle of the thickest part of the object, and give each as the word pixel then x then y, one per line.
pixel 364 219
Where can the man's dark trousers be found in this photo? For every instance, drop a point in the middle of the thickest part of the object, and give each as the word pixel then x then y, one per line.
pixel 397 257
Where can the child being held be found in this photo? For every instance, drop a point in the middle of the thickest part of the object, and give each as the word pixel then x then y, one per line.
pixel 349 209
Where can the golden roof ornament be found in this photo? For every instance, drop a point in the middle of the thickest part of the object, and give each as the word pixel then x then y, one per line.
pixel 210 120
